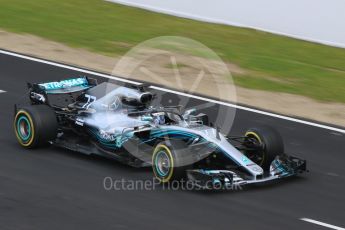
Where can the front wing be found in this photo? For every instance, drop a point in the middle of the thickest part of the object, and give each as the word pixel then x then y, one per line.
pixel 282 166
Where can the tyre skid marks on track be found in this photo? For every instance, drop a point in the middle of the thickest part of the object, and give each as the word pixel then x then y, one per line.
pixel 336 134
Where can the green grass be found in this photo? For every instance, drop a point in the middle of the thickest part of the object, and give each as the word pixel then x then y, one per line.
pixel 274 63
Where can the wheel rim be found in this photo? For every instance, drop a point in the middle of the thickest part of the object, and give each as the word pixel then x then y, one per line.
pixel 162 163
pixel 23 128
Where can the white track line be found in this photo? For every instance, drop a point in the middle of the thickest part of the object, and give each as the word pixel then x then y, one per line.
pixel 2 91
pixel 322 224
pixel 173 91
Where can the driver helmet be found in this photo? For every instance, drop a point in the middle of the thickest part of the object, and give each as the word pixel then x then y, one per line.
pixel 159 119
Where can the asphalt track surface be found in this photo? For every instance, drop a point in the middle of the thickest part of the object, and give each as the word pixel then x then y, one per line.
pixel 53 188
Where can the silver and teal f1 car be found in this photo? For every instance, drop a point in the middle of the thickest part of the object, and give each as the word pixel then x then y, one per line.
pixel 119 121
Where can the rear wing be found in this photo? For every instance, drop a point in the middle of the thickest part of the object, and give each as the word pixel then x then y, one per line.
pixel 64 86
pixel 39 91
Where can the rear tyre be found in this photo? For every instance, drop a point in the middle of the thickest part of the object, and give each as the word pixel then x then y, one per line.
pixel 170 160
pixel 270 145
pixel 35 125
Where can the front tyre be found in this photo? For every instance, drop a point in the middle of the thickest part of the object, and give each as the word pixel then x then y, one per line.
pixel 35 125
pixel 170 160
pixel 269 142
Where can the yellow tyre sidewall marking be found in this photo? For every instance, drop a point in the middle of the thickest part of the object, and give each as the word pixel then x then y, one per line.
pixel 22 112
pixel 259 139
pixel 166 148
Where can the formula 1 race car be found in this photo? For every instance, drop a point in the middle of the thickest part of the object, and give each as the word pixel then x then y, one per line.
pixel 119 121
